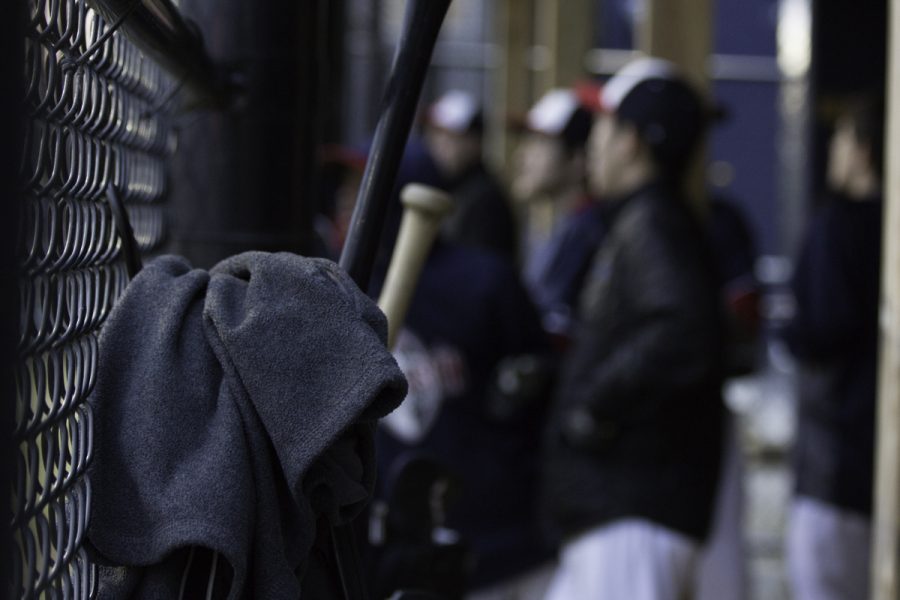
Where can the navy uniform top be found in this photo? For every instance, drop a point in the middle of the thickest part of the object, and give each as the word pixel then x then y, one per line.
pixel 834 333
pixel 483 217
pixel 470 304
pixel 555 271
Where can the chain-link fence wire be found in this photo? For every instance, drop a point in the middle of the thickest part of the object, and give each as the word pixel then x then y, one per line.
pixel 97 116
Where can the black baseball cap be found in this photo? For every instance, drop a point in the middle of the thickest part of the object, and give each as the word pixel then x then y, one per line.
pixel 669 113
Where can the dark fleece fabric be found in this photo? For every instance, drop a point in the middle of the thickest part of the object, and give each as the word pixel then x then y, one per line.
pixel 233 408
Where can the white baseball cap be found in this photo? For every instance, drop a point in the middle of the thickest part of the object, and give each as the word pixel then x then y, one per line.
pixel 455 111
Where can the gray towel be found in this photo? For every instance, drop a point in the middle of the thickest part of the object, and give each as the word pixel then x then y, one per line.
pixel 232 408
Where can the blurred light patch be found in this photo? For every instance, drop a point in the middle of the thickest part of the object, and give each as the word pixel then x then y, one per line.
pixel 794 37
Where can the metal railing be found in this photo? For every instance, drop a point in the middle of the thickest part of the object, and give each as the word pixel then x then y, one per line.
pixel 98 123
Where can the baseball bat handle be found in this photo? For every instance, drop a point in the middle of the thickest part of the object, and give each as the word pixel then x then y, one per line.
pixel 422 23
pixel 421 26
pixel 423 209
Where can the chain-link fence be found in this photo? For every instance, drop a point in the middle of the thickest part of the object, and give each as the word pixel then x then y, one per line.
pixel 97 126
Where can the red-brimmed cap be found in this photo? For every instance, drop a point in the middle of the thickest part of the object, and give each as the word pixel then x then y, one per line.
pixel 552 112
pixel 651 94
pixel 589 95
pixel 560 113
pixel 346 156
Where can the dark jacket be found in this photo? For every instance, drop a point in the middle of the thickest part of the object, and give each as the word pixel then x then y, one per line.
pixel 482 217
pixel 645 366
pixel 834 333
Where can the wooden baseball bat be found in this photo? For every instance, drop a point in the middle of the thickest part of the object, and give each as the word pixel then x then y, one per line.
pixel 422 23
pixel 423 209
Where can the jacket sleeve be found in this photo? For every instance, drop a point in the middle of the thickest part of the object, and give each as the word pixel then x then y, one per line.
pixel 672 332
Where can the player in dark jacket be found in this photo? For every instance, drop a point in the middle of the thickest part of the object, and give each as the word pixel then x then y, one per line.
pixel 483 217
pixel 468 313
pixel 550 170
pixel 834 334
pixel 632 452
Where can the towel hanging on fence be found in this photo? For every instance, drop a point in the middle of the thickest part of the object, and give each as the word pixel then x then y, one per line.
pixel 232 409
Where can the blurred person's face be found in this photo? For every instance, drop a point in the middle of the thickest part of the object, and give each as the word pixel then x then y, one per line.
pixel 611 147
pixel 453 152
pixel 539 167
pixel 847 158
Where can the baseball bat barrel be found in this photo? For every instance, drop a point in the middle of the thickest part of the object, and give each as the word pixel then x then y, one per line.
pixel 422 23
pixel 423 209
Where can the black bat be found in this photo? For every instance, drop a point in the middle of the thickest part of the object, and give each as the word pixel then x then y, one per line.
pixel 422 23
